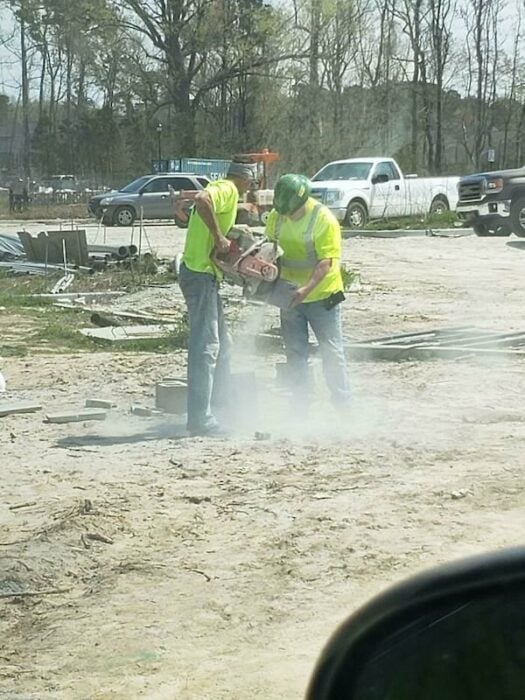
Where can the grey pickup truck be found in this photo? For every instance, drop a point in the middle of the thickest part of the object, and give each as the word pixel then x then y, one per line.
pixel 493 203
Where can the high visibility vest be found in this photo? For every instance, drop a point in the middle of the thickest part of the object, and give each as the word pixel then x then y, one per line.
pixel 311 259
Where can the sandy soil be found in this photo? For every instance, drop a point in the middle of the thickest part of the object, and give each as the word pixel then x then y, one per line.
pixel 227 563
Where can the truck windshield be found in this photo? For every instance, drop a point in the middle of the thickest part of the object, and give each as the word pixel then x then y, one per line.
pixel 136 184
pixel 343 171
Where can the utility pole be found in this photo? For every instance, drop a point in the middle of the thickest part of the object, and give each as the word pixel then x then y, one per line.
pixel 159 134
pixel 26 148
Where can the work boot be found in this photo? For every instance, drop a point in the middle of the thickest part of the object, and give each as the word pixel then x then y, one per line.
pixel 213 431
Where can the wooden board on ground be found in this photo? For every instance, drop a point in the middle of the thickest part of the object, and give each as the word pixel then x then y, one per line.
pixel 440 343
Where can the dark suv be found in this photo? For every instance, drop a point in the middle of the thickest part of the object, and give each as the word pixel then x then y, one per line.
pixel 493 203
pixel 148 196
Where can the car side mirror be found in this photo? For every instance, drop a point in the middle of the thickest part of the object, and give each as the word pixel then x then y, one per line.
pixel 379 179
pixel 455 633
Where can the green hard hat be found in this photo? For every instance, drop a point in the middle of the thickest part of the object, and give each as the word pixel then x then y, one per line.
pixel 290 193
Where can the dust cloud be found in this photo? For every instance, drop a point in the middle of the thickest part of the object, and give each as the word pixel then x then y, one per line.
pixel 264 403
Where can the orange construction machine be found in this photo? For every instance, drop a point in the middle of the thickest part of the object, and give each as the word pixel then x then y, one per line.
pixel 254 211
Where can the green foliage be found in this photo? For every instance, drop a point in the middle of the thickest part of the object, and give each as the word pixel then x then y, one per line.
pixel 445 220
pixel 349 277
pixel 314 80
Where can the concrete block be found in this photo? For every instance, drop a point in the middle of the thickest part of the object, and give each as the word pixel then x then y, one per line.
pixel 171 396
pixel 99 403
pixel 7 409
pixel 76 416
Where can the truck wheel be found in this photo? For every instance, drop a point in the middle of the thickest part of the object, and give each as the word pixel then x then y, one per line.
pixel 517 216
pixel 502 230
pixel 124 216
pixel 484 230
pixel 481 230
pixel 439 205
pixel 356 215
pixel 263 216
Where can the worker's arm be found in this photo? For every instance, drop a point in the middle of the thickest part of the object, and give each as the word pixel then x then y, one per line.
pixel 319 273
pixel 204 207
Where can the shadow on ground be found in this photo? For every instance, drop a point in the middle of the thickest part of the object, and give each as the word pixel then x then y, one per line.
pixel 115 436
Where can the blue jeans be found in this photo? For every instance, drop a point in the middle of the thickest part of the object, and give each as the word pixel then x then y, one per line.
pixel 209 348
pixel 327 327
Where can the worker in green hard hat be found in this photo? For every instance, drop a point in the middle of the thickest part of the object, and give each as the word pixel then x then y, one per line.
pixel 310 237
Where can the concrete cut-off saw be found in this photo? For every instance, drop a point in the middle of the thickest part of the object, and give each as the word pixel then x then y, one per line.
pixel 252 263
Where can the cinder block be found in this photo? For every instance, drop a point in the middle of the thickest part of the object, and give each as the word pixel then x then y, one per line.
pixel 171 396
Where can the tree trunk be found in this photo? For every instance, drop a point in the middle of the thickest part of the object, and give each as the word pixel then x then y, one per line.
pixel 26 148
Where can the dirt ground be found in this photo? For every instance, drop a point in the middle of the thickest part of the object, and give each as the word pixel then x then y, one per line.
pixel 198 568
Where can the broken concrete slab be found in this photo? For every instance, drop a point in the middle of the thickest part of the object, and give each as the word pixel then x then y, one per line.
pixel 144 411
pixel 11 408
pixel 76 416
pixel 99 403
pixel 114 334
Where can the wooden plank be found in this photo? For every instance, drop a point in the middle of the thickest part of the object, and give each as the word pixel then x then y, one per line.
pixel 365 351
pixel 496 339
pixel 27 240
pixel 79 295
pixel 75 243
pixel 47 246
pixel 397 339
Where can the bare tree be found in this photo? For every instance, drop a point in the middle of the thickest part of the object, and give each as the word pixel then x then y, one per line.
pixel 412 15
pixel 442 13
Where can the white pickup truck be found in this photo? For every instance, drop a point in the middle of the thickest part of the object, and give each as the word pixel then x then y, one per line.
pixel 360 189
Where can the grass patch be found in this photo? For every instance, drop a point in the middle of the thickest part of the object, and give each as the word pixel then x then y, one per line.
pixel 35 324
pixel 446 220
pixel 66 212
pixel 16 291
pixel 14 350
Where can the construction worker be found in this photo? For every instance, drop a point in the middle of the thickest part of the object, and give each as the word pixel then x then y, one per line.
pixel 208 346
pixel 17 195
pixel 310 237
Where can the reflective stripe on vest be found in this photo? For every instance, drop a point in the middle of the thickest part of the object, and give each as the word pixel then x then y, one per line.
pixel 311 255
